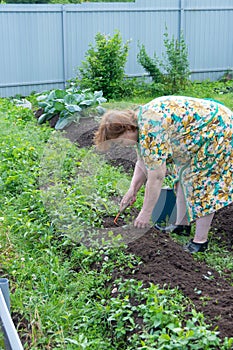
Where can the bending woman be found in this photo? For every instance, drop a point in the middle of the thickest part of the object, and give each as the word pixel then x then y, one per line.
pixel 197 135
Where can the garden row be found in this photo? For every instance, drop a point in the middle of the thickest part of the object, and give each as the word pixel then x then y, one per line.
pixel 68 293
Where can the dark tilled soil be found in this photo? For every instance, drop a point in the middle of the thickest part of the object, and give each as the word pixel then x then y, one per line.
pixel 166 263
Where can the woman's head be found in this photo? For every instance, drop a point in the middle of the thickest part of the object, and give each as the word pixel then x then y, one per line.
pixel 113 125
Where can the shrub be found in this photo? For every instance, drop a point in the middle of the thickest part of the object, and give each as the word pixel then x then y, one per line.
pixel 151 65
pixel 103 68
pixel 176 62
pixel 173 70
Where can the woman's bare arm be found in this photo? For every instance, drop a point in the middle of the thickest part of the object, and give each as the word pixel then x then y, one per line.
pixel 138 179
pixel 153 188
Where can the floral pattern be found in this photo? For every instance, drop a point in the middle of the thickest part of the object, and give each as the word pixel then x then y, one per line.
pixel 197 135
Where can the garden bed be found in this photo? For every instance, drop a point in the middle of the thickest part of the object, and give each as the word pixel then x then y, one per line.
pixel 76 279
pixel 164 261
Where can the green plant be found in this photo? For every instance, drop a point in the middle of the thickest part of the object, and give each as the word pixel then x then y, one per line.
pixel 158 315
pixel 227 76
pixel 218 90
pixel 103 68
pixel 69 104
pixel 176 62
pixel 173 70
pixel 151 65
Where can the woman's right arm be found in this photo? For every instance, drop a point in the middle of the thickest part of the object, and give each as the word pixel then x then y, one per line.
pixel 139 176
pixel 138 179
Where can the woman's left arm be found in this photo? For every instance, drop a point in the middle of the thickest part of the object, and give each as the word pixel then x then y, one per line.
pixel 152 191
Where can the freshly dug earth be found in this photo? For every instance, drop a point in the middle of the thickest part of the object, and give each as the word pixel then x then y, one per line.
pixel 166 263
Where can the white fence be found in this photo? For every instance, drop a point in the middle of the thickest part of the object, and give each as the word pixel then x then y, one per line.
pixel 42 45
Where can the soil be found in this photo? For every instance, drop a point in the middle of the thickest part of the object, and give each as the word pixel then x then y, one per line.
pixel 164 260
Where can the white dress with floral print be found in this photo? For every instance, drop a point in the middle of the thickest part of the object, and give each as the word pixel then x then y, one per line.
pixel 197 135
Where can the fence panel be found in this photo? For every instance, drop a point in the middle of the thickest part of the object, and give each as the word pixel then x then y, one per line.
pixel 208 35
pixel 31 48
pixel 42 45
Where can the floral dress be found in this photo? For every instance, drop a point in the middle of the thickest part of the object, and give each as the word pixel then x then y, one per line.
pixel 197 135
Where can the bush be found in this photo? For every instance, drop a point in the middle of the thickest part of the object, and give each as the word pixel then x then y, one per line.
pixel 173 70
pixel 176 62
pixel 103 68
pixel 151 65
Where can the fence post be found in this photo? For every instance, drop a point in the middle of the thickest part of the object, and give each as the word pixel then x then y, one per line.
pixel 181 18
pixel 64 49
pixel 11 338
pixel 4 286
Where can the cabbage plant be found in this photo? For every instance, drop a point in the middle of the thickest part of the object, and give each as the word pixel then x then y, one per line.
pixel 69 104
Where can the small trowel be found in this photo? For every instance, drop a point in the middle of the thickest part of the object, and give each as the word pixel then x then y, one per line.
pixel 126 205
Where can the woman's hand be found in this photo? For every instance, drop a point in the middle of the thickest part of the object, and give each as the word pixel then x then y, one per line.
pixel 143 220
pixel 128 199
pixel 139 178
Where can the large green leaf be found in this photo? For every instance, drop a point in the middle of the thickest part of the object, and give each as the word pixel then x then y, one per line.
pixel 98 94
pixel 87 103
pixel 59 106
pixel 51 95
pixel 42 97
pixel 101 100
pixel 73 108
pixel 63 122
pixel 70 99
pixel 101 110
pixel 78 98
pixel 43 104
pixel 49 110
pixel 42 118
pixel 60 93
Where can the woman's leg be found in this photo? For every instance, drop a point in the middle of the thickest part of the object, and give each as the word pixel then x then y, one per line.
pixel 202 228
pixel 181 216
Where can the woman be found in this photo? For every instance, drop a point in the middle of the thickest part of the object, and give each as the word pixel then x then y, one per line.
pixel 197 135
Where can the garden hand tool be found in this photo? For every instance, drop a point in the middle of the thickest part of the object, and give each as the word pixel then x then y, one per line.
pixel 124 207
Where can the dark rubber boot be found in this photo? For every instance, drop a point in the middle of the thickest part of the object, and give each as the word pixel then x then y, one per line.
pixel 193 247
pixel 182 230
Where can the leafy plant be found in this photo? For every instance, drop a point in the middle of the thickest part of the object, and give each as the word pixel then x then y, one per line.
pixel 162 319
pixel 151 65
pixel 173 70
pixel 69 104
pixel 103 68
pixel 175 61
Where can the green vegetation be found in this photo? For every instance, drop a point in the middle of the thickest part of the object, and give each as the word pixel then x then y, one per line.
pixel 70 104
pixel 172 72
pixel 104 65
pixel 63 292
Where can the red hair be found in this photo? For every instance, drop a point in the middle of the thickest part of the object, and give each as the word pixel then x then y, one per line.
pixel 113 124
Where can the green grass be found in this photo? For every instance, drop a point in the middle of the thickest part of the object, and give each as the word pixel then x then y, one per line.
pixel 62 287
